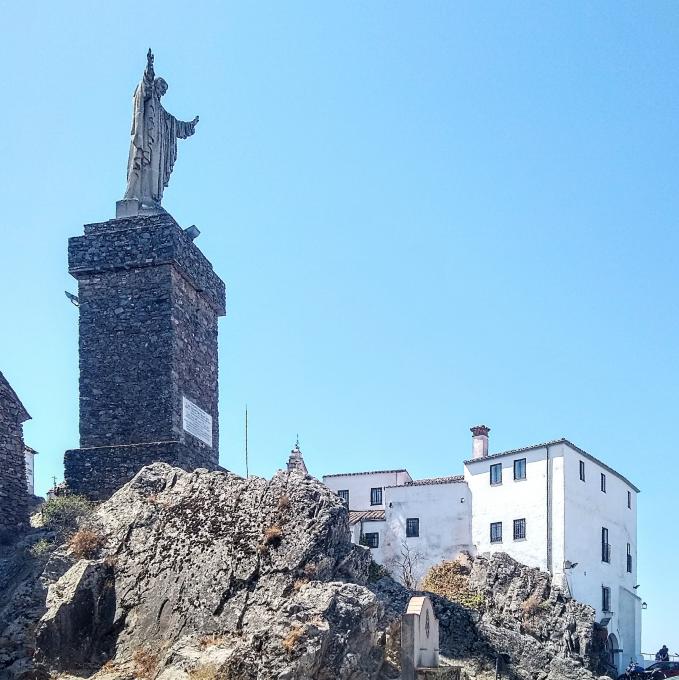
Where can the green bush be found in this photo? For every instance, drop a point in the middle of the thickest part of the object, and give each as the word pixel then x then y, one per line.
pixel 376 572
pixel 63 513
pixel 40 548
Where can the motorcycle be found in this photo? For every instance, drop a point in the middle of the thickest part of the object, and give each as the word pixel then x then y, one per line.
pixel 634 671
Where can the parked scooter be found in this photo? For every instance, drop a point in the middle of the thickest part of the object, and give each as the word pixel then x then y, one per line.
pixel 634 671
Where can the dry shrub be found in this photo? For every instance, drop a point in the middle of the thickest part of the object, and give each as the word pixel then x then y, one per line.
pixel 205 673
pixel 85 543
pixel 451 580
pixel 145 664
pixel 111 561
pixel 292 638
pixel 273 535
pixel 299 584
pixel 213 640
pixel 532 605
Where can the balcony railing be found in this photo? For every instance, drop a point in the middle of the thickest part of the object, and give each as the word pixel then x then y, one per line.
pixel 605 552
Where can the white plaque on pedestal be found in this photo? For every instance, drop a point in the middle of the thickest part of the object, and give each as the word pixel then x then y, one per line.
pixel 197 422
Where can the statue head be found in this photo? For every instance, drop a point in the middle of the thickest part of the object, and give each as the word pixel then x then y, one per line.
pixel 160 86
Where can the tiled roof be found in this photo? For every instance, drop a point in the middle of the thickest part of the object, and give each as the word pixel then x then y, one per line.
pixel 356 516
pixel 436 480
pixel 554 442
pixel 371 472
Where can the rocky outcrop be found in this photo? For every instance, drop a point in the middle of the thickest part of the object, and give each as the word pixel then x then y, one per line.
pixel 256 578
pixel 529 618
pixel 208 575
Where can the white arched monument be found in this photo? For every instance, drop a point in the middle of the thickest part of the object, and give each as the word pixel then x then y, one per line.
pixel 419 638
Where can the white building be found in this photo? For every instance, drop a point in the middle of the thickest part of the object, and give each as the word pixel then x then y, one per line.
pixel 552 506
pixel 29 457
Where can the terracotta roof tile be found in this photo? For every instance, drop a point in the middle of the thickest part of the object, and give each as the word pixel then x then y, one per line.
pixel 356 516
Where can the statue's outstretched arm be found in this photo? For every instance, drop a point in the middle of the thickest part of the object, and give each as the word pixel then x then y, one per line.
pixel 149 73
pixel 185 130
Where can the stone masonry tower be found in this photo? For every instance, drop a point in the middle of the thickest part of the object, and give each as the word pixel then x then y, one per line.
pixel 149 302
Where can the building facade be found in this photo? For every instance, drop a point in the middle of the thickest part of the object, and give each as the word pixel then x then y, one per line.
pixel 552 506
pixel 13 488
pixel 29 460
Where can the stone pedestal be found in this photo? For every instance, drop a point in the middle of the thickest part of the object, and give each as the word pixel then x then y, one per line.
pixel 149 305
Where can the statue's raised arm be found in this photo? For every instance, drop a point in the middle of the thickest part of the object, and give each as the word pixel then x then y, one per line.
pixel 153 147
pixel 149 73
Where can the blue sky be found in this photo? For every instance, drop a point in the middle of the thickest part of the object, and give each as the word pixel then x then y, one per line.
pixel 428 215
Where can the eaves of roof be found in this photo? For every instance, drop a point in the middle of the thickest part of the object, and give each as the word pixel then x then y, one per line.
pixel 563 440
pixel 452 479
pixel 371 472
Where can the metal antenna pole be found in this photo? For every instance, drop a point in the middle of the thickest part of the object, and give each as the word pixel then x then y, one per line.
pixel 247 471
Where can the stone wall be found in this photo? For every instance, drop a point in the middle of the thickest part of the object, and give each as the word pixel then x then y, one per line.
pixel 13 490
pixel 99 472
pixel 149 306
pixel 126 347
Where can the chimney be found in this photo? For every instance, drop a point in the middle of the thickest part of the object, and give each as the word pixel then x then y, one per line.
pixel 479 441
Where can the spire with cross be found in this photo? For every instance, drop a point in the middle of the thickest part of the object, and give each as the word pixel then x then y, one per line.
pixel 296 461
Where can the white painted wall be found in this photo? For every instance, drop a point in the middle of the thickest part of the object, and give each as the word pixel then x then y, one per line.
pixel 30 471
pixel 588 509
pixel 359 486
pixel 445 523
pixel 517 499
pixel 371 527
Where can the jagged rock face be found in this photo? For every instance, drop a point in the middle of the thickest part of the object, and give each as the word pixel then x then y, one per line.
pixel 546 633
pixel 199 568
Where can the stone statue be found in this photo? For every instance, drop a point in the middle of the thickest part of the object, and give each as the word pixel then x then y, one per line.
pixel 153 147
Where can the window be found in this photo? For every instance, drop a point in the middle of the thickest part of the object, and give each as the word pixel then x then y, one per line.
pixel 603 482
pixel 376 496
pixel 496 532
pixel 496 474
pixel 629 558
pixel 582 470
pixel 605 598
pixel 605 546
pixel 520 468
pixel 344 495
pixel 372 540
pixel 413 527
pixel 629 499
pixel 519 529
